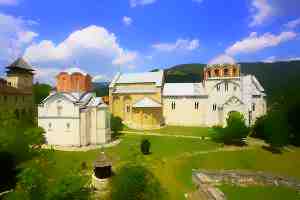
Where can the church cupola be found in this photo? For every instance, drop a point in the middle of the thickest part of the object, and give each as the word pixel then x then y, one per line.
pixel 73 80
pixel 216 71
pixel 20 74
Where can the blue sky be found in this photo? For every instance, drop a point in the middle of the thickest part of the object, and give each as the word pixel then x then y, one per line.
pixel 101 36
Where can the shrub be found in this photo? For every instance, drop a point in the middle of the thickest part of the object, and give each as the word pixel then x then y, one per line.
pixel 235 132
pixel 8 171
pixel 135 182
pixel 258 128
pixel 145 146
pixel 294 124
pixel 276 128
pixel 116 126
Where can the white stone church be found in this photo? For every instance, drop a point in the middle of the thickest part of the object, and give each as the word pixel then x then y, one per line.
pixel 72 115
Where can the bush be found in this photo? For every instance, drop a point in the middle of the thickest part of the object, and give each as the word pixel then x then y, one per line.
pixel 258 129
pixel 294 123
pixel 116 126
pixel 8 171
pixel 134 182
pixel 145 146
pixel 276 129
pixel 235 132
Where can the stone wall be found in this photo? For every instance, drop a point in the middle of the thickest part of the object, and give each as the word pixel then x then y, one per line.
pixel 205 179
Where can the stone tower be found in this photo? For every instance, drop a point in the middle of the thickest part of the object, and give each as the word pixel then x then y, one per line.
pixel 20 75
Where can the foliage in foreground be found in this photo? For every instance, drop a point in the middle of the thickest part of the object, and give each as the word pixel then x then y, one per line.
pixel 235 132
pixel 134 182
pixel 19 141
pixel 34 184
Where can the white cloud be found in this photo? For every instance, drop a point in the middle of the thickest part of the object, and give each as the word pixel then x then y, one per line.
pixel 293 24
pixel 15 33
pixel 135 3
pixel 255 43
pixel 8 2
pixel 273 59
pixel 127 20
pixel 261 10
pixel 91 43
pixel 43 74
pixel 222 59
pixel 99 78
pixel 180 44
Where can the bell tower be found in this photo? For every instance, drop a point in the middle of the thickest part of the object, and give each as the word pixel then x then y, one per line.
pixel 219 71
pixel 20 75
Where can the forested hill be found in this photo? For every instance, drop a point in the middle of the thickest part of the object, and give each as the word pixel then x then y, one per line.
pixel 279 78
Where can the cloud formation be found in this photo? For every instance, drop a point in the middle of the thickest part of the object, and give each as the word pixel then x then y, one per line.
pixel 273 59
pixel 127 20
pixel 261 11
pixel 254 42
pixel 222 59
pixel 8 2
pixel 91 41
pixel 15 33
pixel 135 3
pixel 293 24
pixel 180 44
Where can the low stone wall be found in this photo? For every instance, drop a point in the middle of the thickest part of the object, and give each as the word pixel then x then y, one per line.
pixel 244 178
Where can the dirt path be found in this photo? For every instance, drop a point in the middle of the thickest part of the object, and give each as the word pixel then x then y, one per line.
pixel 166 135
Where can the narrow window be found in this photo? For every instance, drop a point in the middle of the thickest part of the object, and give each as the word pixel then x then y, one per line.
pixel 50 125
pixel 59 109
pixel 234 88
pixel 218 87
pixel 226 72
pixel 226 86
pixel 253 106
pixel 173 105
pixel 196 105
pixel 127 108
pixel 214 107
pixel 68 125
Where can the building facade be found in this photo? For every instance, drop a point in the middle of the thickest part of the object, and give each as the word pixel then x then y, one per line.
pixel 74 116
pixel 16 93
pixel 137 99
pixel 208 103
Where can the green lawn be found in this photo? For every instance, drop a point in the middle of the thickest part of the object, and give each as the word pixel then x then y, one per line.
pixel 179 130
pixel 172 160
pixel 259 193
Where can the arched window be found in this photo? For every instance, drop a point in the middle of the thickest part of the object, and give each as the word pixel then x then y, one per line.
pixel 226 86
pixel 234 72
pixel 214 107
pixel 217 72
pixel 226 72
pixel 218 87
pixel 196 105
pixel 173 105
pixel 208 73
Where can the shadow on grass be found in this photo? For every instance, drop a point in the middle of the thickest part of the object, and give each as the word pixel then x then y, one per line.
pixel 272 149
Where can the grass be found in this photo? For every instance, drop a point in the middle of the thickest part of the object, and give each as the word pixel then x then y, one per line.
pixel 259 193
pixel 179 130
pixel 172 160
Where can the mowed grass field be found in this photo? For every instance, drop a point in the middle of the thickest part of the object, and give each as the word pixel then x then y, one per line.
pixel 173 159
pixel 179 130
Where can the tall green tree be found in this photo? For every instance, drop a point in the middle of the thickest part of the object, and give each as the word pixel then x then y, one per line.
pixel 40 92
